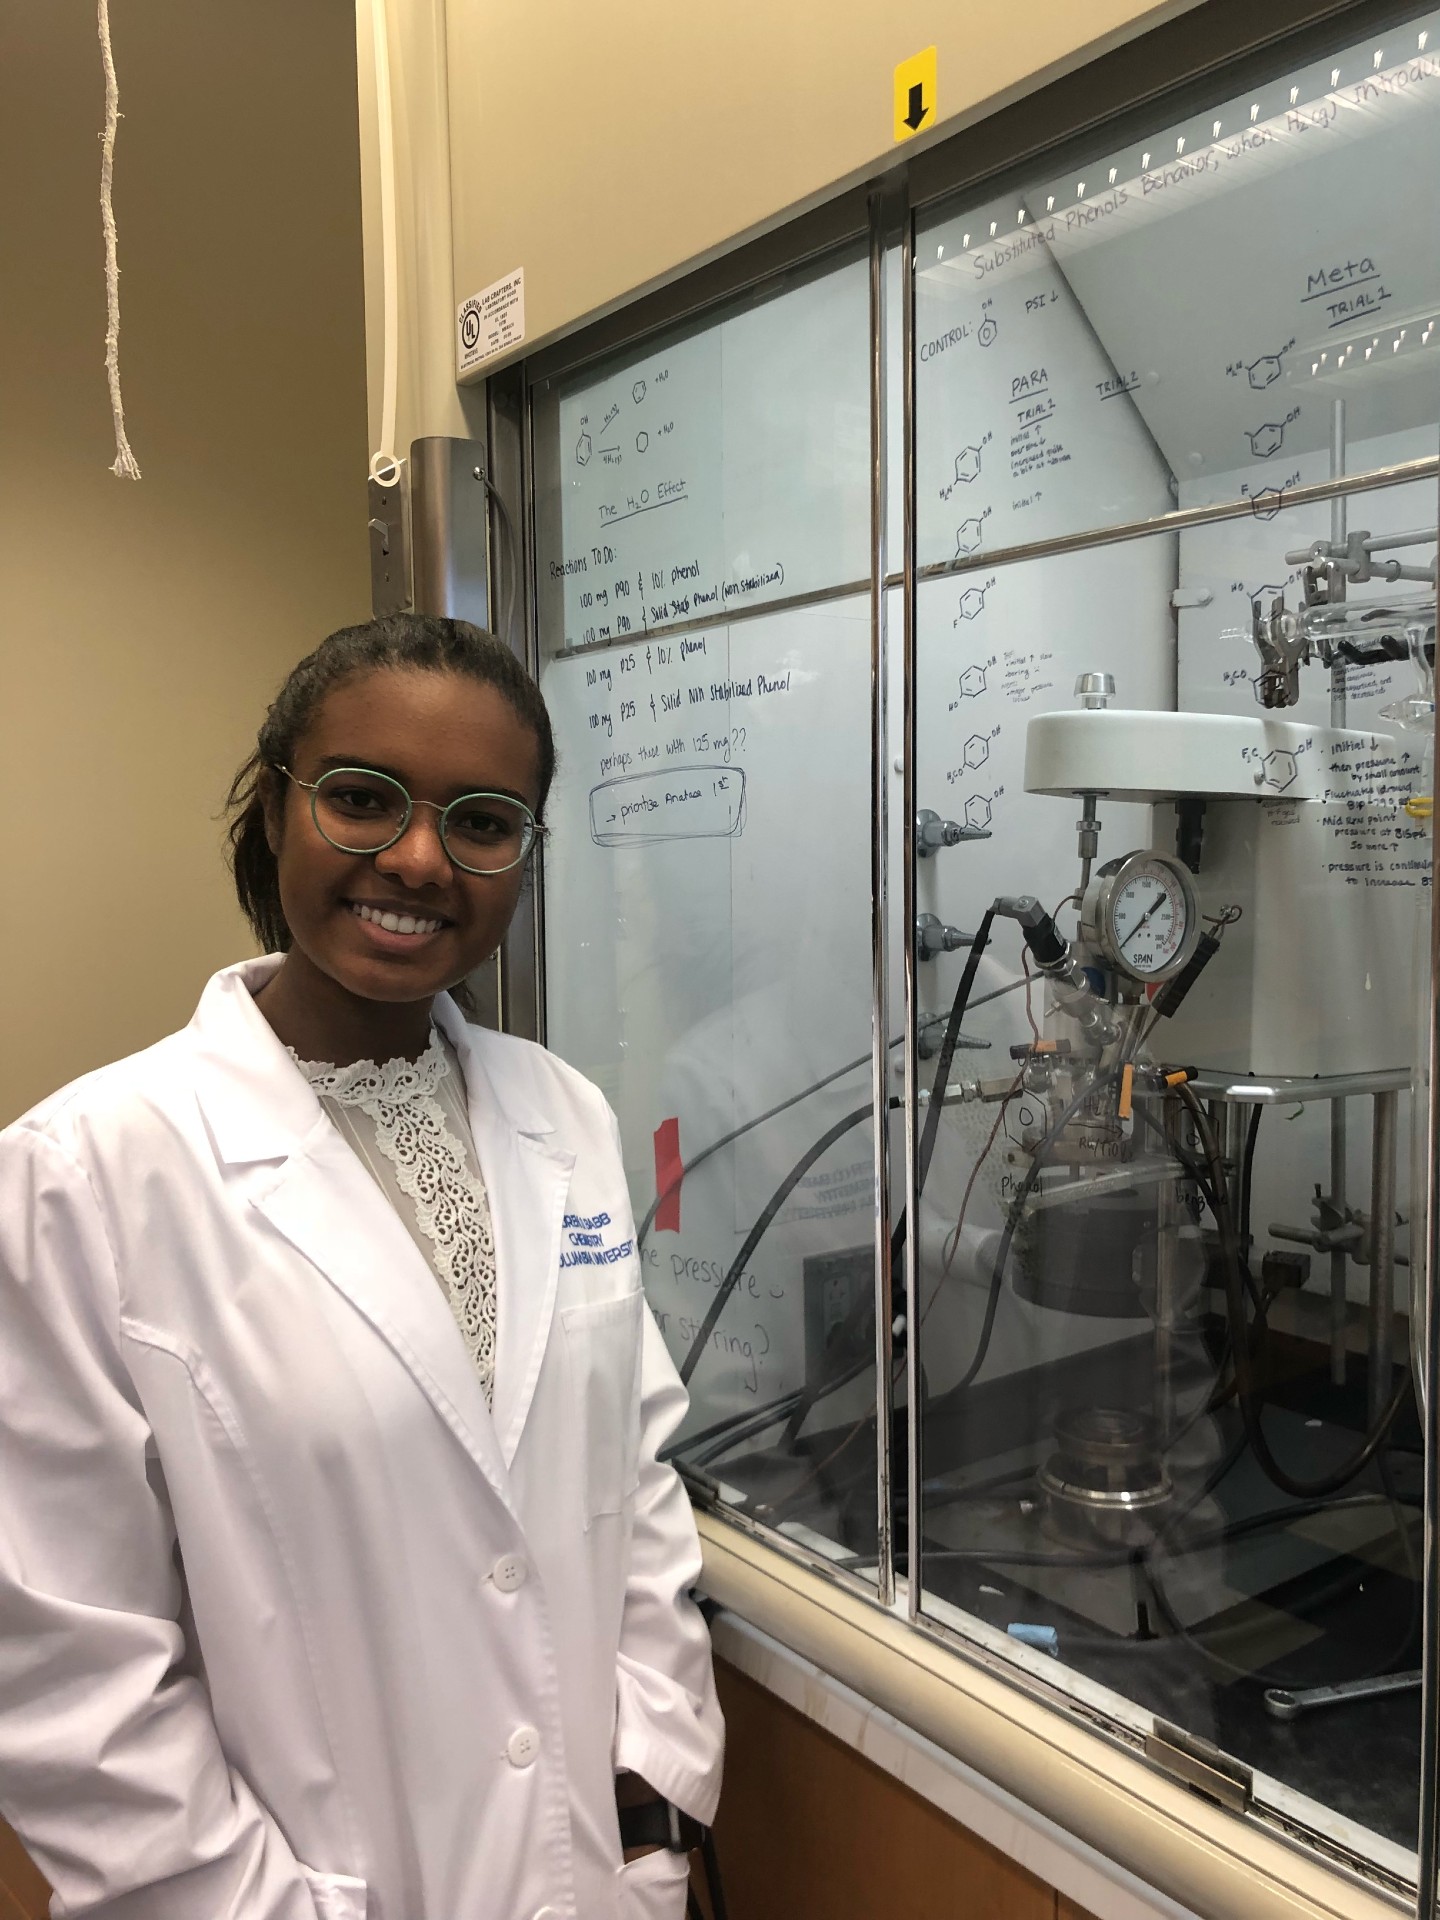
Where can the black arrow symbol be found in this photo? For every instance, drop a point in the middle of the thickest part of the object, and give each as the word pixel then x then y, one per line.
pixel 918 108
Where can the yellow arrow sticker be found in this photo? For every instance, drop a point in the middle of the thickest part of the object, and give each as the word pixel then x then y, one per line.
pixel 915 94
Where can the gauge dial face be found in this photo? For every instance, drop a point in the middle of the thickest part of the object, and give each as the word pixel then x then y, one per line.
pixel 1147 916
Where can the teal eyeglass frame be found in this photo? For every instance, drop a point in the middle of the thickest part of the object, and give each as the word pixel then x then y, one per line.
pixel 531 838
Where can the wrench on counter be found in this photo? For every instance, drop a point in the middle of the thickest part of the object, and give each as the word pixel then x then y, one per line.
pixel 1288 1703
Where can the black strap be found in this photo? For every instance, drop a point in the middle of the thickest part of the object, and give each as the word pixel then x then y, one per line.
pixel 660 1823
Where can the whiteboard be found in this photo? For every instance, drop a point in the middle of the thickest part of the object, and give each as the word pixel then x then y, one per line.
pixel 726 467
pixel 708 951
pixel 1084 358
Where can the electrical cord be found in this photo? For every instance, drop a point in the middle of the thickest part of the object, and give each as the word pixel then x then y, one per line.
pixel 1250 1400
pixel 783 1106
pixel 1247 1177
pixel 926 1150
pixel 701 1338
pixel 827 1140
pixel 1091 1086
pixel 736 1133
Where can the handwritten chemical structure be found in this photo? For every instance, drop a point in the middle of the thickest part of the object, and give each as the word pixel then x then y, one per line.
pixel 970 535
pixel 1278 770
pixel 1263 371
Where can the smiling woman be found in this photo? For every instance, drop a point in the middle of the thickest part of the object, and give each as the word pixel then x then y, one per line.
pixel 332 1302
pixel 382 826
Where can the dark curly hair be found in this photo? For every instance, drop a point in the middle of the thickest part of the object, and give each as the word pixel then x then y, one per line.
pixel 421 641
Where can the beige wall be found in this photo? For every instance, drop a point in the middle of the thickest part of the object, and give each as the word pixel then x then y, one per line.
pixel 604 149
pixel 143 627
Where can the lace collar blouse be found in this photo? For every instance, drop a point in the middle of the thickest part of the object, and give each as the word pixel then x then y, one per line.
pixel 408 1122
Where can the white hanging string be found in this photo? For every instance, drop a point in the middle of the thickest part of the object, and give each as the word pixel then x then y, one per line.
pixel 384 467
pixel 126 466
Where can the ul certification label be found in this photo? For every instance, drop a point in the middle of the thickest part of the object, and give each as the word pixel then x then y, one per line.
pixel 490 322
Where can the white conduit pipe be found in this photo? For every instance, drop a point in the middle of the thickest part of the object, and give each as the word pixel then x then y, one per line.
pixel 384 466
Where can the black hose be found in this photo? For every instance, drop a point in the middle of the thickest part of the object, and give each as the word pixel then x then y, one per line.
pixel 712 1877
pixel 762 1226
pixel 1247 1177
pixel 926 1150
pixel 783 1106
pixel 735 1133
pixel 1248 1395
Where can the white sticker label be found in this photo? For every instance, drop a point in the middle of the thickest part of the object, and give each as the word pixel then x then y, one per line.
pixel 490 322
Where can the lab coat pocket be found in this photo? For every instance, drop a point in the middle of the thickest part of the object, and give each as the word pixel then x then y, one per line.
pixel 337 1896
pixel 654 1886
pixel 602 1346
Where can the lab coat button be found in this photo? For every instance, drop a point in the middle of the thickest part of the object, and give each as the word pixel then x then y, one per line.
pixel 510 1572
pixel 523 1747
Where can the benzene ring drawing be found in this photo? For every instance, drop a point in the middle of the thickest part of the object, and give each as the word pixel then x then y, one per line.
pixel 1279 770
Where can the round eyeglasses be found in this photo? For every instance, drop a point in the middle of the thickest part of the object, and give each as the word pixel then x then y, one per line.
pixel 360 811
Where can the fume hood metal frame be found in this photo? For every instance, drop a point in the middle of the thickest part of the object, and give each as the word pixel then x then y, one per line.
pixel 1189 57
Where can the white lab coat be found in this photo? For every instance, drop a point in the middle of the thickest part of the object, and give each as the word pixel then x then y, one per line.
pixel 290 1627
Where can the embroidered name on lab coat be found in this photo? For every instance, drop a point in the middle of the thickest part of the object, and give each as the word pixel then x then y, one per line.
pixel 587 1248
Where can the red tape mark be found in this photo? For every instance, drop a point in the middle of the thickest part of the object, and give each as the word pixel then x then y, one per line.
pixel 669 1171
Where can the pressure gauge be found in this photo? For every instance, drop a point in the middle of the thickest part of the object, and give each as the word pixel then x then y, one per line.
pixel 1140 914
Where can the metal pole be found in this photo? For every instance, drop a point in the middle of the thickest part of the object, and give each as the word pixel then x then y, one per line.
pixel 1427 1904
pixel 1382 1253
pixel 879 918
pixel 1167 1252
pixel 1339 1144
pixel 914 1437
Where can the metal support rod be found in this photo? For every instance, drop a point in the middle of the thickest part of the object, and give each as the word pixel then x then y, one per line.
pixel 1088 828
pixel 1329 550
pixel 1382 1253
pixel 879 917
pixel 1339 1145
pixel 1339 527
pixel 1167 1261
pixel 1427 1904
pixel 1339 1256
pixel 1384 542
pixel 1401 473
pixel 914 1437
